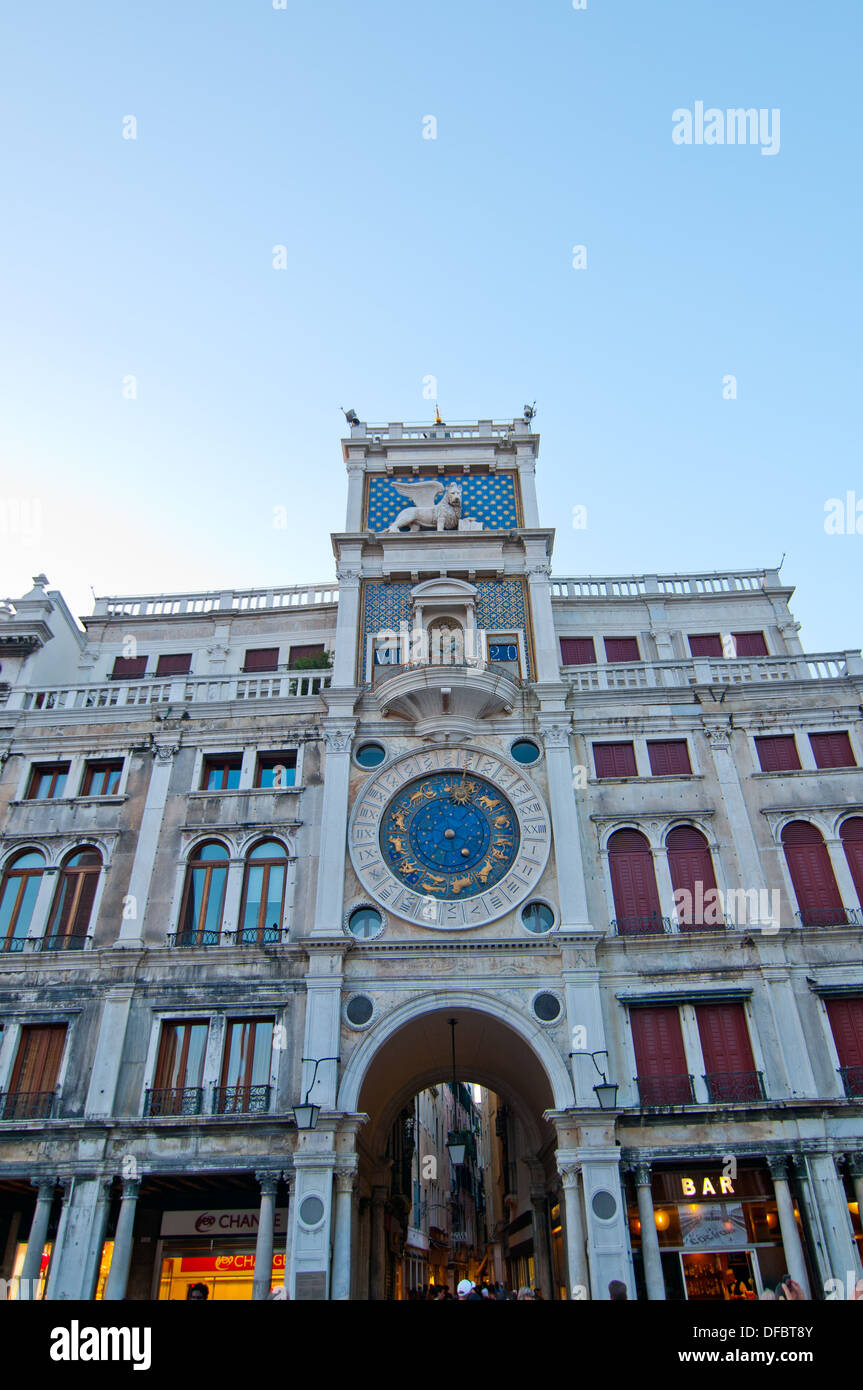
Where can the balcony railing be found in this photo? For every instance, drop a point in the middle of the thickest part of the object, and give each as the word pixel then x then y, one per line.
pixel 27 1105
pixel 68 941
pixel 215 600
pixel 178 1100
pixel 186 690
pixel 652 925
pixel 733 1086
pixel 638 585
pixel 829 917
pixel 241 1100
pixel 720 925
pixel 666 1090
pixel 644 675
pixel 13 944
pixel 250 936
pixel 188 939
pixel 852 1080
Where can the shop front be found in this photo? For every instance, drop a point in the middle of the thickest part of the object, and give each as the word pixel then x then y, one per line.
pixel 718 1232
pixel 216 1249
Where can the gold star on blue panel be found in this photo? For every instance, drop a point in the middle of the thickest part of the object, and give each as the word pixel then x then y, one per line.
pixel 487 497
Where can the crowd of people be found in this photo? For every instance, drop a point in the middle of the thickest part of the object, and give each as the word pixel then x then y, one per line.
pixel 469 1292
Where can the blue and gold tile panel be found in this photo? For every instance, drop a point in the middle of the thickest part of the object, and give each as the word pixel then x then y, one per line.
pixel 487 497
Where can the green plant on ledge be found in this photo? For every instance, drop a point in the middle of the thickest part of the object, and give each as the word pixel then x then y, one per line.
pixel 322 662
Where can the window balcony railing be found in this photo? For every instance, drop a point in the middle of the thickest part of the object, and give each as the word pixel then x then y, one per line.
pixel 718 925
pixel 188 939
pixel 852 1080
pixel 27 1105
pixel 829 917
pixel 735 1085
pixel 652 925
pixel 69 941
pixel 178 1100
pixel 666 1090
pixel 13 944
pixel 241 1100
pixel 250 936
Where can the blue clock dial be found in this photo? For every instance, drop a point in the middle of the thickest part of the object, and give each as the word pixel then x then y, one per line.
pixel 451 835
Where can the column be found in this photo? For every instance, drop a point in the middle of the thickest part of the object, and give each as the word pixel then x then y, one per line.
pixel 121 1258
pixel 329 899
pixel 748 860
pixel 835 1219
pixel 347 638
pixel 855 1168
pixel 556 731
pixel 341 1277
pixel 539 1202
pixel 812 1223
pixel 146 845
pixel 576 1254
pixel 36 1239
pixel 378 1244
pixel 650 1253
pixel 795 1261
pixel 109 1051
pixel 78 1247
pixel 264 1244
pixel 545 638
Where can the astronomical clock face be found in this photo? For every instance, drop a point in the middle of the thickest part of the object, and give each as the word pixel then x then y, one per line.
pixel 449 838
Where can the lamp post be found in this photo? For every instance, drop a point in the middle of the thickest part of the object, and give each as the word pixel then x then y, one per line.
pixel 306 1113
pixel 606 1091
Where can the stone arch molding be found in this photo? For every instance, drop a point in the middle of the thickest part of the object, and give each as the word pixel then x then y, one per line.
pixel 433 1001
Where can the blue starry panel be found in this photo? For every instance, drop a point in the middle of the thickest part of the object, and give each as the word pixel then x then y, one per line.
pixel 450 836
pixel 487 497
pixel 499 607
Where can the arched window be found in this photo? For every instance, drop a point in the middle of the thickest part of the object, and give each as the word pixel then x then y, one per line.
pixel 204 896
pixel 264 893
pixel 815 886
pixel 693 880
pixel 18 898
pixel 633 884
pixel 851 835
pixel 69 922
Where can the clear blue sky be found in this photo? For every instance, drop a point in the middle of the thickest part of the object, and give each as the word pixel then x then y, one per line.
pixel 407 257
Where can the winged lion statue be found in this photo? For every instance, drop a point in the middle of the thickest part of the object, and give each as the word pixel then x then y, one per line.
pixel 426 514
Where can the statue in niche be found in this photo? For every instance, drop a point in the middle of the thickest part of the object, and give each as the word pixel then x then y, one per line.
pixel 425 514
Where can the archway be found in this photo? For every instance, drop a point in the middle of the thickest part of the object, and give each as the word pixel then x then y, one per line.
pixel 406 1062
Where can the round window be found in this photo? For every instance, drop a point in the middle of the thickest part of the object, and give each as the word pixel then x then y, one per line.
pixel 311 1211
pixel 546 1007
pixel 370 754
pixel 365 922
pixel 537 917
pixel 524 750
pixel 359 1010
pixel 604 1206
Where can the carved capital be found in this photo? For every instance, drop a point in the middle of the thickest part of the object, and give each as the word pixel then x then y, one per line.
pixel 780 1166
pixel 348 575
pixel 569 1175
pixel 345 1179
pixel 338 737
pixel 854 1164
pixel 164 753
pixel 540 567
pixel 556 735
pixel 131 1189
pixel 641 1172
pixel 719 738
pixel 268 1183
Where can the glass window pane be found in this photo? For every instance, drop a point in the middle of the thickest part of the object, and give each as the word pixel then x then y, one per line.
pixel 195 1061
pixel 233 779
pixel 254 888
pixel 215 902
pixel 262 1052
pixel 275 894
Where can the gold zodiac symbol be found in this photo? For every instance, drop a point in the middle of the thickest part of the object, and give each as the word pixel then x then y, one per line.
pixel 433 882
pixel 459 883
pixel 423 793
pixel 408 866
pixel 398 844
pixel 487 802
pixel 499 854
pixel 483 871
pixel 399 819
pixel 499 823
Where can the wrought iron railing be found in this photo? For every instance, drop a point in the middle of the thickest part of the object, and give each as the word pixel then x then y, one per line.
pixel 13 944
pixel 652 925
pixel 852 1080
pixel 829 917
pixel 27 1105
pixel 666 1090
pixel 177 1100
pixel 719 924
pixel 193 938
pixel 251 936
pixel 241 1100
pixel 70 941
pixel 735 1085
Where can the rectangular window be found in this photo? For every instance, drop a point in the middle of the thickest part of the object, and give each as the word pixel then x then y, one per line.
pixel 261 659
pixel 621 649
pixel 846 1023
pixel 222 772
pixel 749 643
pixel 179 1069
pixel 705 643
pixel 174 664
pixel 777 753
pixel 669 757
pixel 245 1083
pixel 277 770
pixel 128 668
pixel 729 1067
pixel 832 750
pixel 305 653
pixel 577 651
pixel 47 782
pixel 660 1056
pixel 33 1082
pixel 102 779
pixel 614 760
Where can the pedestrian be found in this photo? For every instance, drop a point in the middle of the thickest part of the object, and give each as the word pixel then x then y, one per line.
pixel 525 1293
pixel 467 1292
pixel 617 1291
pixel 197 1293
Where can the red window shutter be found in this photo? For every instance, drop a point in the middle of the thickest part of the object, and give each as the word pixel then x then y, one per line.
pixel 846 1023
pixel 724 1037
pixel 614 760
pixel 777 753
pixel 691 870
pixel 129 667
pixel 633 881
pixel 668 757
pixel 658 1040
pixel 851 835
pixel 174 664
pixel 705 644
pixel 577 651
pixel 815 886
pixel 750 643
pixel 261 659
pixel 621 649
pixel 311 649
pixel 38 1062
pixel 832 750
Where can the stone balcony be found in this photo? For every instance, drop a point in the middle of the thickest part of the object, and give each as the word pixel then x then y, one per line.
pixel 447 699
pixel 736 671
pixel 178 691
